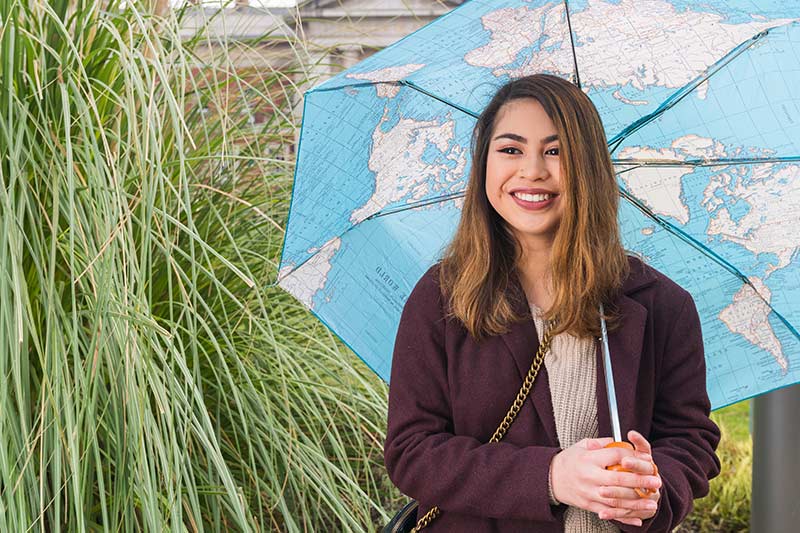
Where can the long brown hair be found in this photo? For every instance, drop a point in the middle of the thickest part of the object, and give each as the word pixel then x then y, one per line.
pixel 588 263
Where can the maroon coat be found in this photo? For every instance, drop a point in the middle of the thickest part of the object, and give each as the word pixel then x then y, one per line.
pixel 448 393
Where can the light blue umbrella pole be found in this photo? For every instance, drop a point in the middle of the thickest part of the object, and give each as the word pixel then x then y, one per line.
pixel 611 390
pixel 776 462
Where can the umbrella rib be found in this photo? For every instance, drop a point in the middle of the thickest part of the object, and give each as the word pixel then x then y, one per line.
pixel 719 162
pixel 416 205
pixel 683 235
pixel 708 252
pixel 404 83
pixel 416 87
pixel 577 80
pixel 685 91
pixel 382 213
pixel 349 86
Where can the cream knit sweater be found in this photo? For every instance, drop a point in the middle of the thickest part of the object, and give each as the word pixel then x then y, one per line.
pixel 572 373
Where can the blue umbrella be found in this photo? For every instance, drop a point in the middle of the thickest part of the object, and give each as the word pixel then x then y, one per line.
pixel 699 104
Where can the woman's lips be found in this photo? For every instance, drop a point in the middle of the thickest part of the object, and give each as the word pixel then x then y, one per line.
pixel 534 206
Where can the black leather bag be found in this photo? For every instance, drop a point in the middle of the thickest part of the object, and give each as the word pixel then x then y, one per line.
pixel 405 519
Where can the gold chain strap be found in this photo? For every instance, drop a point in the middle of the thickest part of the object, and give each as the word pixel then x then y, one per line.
pixel 500 432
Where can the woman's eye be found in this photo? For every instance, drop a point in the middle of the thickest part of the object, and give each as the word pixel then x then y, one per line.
pixel 510 150
pixel 551 151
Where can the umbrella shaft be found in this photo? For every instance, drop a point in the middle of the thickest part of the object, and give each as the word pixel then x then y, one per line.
pixel 613 412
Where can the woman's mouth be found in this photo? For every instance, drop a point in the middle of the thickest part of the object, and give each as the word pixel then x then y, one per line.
pixel 533 201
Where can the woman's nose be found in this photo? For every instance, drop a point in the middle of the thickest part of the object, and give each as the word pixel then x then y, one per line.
pixel 533 167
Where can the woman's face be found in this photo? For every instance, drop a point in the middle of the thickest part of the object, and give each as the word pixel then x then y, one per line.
pixel 523 172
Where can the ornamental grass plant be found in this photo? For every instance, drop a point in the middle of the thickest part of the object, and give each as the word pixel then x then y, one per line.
pixel 152 379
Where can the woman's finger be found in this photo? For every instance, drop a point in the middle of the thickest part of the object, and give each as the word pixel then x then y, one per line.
pixel 617 493
pixel 638 466
pixel 609 478
pixel 640 443
pixel 610 456
pixel 602 510
pixel 626 504
pixel 626 514
pixel 596 444
pixel 630 521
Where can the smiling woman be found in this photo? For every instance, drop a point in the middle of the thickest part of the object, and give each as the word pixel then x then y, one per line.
pixel 537 252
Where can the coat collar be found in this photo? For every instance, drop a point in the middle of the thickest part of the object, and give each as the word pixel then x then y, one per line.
pixel 625 346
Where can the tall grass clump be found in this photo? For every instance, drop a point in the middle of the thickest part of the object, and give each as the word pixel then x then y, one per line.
pixel 150 378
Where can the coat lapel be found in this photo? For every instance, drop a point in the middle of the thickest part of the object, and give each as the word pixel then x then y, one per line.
pixel 522 341
pixel 625 345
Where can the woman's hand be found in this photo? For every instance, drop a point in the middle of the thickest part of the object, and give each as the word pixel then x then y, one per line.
pixel 618 495
pixel 578 477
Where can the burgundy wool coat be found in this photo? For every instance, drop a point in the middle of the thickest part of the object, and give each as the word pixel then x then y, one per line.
pixel 448 393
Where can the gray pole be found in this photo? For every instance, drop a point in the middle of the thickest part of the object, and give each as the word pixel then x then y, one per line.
pixel 776 462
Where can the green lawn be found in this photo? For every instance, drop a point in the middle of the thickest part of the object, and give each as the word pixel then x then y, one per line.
pixel 727 507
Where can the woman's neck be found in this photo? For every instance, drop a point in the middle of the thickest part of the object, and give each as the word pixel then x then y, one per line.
pixel 534 275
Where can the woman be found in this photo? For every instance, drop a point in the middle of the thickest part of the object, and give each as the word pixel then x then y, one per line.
pixel 538 247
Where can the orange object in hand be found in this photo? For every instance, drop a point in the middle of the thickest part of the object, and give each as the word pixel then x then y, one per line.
pixel 641 492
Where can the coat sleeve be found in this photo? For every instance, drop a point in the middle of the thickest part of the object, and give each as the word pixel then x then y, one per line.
pixel 682 435
pixel 424 458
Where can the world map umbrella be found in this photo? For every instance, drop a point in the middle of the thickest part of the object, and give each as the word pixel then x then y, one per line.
pixel 700 107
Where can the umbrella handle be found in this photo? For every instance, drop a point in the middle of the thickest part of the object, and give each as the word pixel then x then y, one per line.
pixel 641 492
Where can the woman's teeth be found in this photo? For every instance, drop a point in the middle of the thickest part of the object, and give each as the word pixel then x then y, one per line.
pixel 532 197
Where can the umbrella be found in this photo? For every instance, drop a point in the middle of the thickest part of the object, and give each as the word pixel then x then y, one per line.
pixel 699 104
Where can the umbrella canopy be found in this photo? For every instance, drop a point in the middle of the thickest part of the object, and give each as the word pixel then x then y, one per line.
pixel 700 107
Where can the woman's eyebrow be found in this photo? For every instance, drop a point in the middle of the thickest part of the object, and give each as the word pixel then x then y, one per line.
pixel 513 137
pixel 523 140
